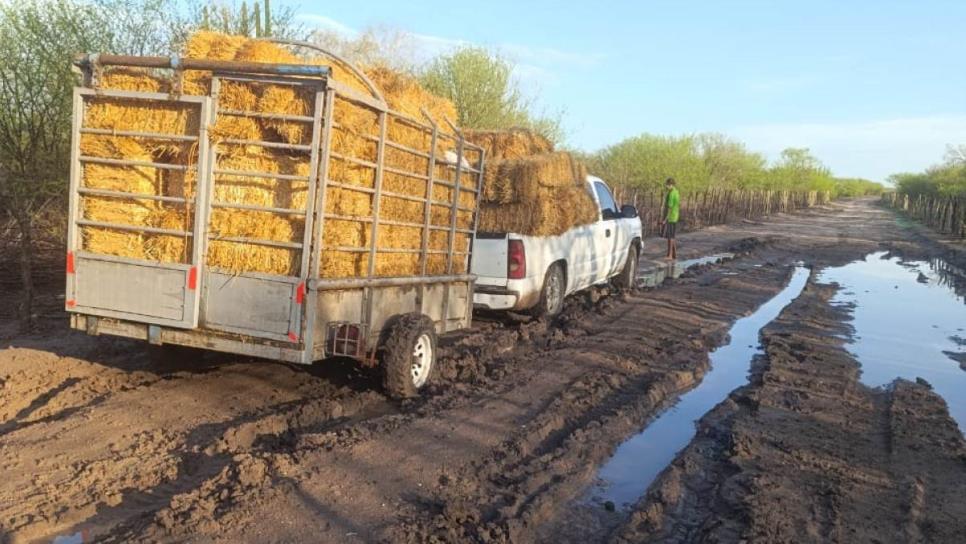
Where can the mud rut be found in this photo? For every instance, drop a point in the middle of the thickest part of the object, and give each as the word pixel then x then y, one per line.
pixel 101 436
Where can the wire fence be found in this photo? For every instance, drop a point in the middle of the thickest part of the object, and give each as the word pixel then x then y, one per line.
pixel 944 214
pixel 717 206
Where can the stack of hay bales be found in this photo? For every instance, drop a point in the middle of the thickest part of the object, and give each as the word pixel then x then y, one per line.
pixel 528 187
pixel 345 240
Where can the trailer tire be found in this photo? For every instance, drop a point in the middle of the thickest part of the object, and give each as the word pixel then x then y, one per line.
pixel 552 293
pixel 409 355
pixel 628 276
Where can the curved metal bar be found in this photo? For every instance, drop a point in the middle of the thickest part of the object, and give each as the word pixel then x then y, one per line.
pixel 376 93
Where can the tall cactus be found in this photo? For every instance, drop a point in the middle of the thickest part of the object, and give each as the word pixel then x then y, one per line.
pixel 268 18
pixel 244 27
pixel 257 15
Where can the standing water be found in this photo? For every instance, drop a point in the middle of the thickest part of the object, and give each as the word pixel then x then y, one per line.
pixel 627 475
pixel 909 323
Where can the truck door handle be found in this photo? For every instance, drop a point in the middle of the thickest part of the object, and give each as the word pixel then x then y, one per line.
pixel 607 232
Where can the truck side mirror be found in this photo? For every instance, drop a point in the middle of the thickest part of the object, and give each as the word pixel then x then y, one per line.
pixel 628 211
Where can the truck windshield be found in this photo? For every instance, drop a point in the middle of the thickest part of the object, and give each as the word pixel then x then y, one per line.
pixel 608 208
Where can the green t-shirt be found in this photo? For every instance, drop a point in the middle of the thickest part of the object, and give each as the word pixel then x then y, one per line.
pixel 673 205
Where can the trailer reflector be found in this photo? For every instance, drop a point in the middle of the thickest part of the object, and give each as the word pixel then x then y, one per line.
pixel 70 262
pixel 193 278
pixel 293 337
pixel 71 303
pixel 300 293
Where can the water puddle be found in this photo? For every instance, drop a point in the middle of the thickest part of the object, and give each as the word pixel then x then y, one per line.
pixel 79 537
pixel 635 464
pixel 910 322
pixel 653 273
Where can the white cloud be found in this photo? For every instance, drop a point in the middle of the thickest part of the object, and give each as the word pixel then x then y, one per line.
pixel 549 55
pixel 869 149
pixel 535 65
pixel 328 23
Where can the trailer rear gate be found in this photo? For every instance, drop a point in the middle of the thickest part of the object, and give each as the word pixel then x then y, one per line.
pixel 295 318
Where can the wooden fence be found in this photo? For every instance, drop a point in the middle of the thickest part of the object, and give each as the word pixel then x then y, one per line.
pixel 946 215
pixel 717 206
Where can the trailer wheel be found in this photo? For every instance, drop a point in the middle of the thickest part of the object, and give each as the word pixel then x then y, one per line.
pixel 628 276
pixel 552 294
pixel 409 355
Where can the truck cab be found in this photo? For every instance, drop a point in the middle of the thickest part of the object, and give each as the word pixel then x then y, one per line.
pixel 516 272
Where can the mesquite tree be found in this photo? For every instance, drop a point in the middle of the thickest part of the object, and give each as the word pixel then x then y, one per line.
pixel 39 40
pixel 486 94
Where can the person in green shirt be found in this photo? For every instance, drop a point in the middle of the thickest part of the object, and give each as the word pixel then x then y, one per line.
pixel 672 212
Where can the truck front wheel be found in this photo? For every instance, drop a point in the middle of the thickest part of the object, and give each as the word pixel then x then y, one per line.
pixel 409 355
pixel 552 294
pixel 628 276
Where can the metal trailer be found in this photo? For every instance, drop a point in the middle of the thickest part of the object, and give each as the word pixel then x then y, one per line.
pixel 300 318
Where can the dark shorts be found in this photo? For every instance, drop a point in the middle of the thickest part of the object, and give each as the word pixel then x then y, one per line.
pixel 670 229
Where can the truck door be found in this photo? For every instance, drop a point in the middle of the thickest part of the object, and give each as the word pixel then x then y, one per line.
pixel 607 234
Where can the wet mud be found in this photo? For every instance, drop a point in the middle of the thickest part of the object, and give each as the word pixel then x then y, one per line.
pixel 105 440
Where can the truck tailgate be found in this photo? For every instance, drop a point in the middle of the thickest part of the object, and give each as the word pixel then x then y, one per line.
pixel 490 259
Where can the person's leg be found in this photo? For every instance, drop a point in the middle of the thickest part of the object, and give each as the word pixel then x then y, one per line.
pixel 672 249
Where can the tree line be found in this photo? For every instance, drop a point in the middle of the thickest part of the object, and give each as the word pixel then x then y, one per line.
pixel 714 161
pixel 946 179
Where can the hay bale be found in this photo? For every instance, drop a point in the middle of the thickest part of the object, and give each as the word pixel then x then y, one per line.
pixel 514 143
pixel 553 211
pixel 131 179
pixel 518 180
pixel 134 79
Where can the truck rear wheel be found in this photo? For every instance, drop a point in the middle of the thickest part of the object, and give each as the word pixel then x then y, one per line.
pixel 409 355
pixel 628 276
pixel 552 294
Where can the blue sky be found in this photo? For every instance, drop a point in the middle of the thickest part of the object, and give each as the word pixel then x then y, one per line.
pixel 872 87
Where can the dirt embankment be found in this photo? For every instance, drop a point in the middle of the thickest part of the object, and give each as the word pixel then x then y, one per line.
pixel 806 453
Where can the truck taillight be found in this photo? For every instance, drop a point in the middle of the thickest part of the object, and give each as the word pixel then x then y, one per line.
pixel 516 262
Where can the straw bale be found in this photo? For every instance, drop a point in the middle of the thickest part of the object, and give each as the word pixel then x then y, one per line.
pixel 405 95
pixel 235 189
pixel 398 209
pixel 166 248
pixel 249 257
pixel 154 117
pixel 208 45
pixel 347 202
pixel 132 179
pixel 238 96
pixel 404 185
pixel 113 242
pixel 518 180
pixel 342 264
pixel 554 211
pixel 515 143
pixel 134 79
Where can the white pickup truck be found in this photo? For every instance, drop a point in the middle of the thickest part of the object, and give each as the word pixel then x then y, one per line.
pixel 535 273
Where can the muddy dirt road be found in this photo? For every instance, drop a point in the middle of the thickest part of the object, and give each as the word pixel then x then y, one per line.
pixel 105 440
